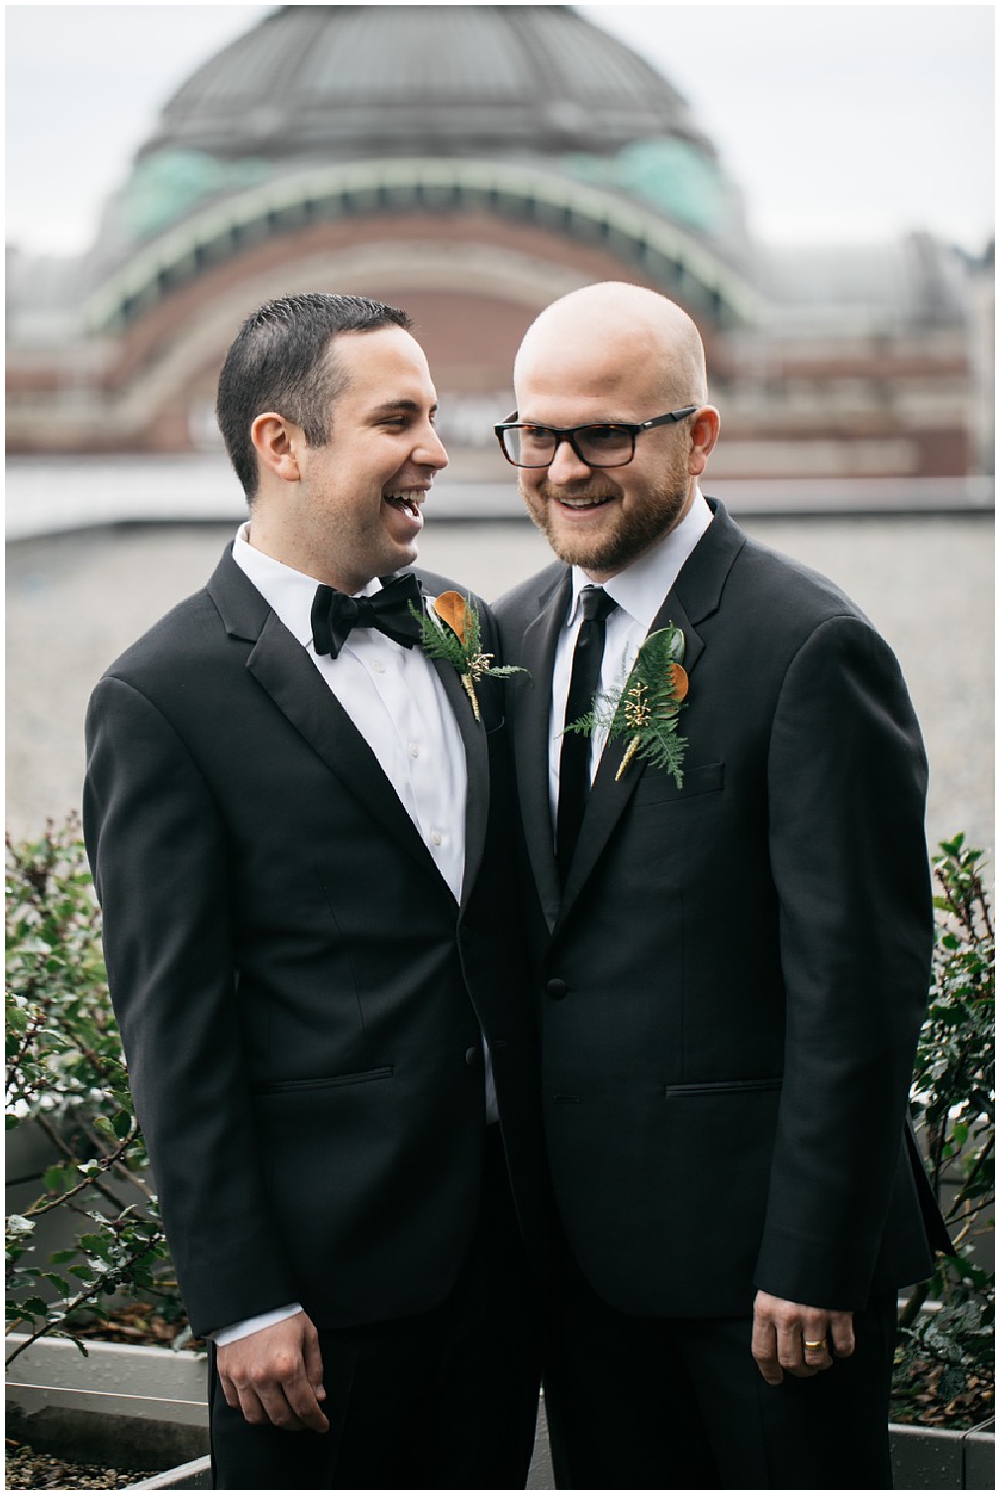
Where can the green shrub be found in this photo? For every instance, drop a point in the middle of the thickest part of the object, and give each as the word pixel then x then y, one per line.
pixel 944 1361
pixel 66 1076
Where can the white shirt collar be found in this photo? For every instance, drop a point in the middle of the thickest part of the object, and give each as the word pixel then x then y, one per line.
pixel 640 588
pixel 289 593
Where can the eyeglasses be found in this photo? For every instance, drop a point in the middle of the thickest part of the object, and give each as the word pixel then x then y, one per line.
pixel 605 445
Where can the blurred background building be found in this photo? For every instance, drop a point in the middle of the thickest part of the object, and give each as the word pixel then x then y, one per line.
pixel 470 163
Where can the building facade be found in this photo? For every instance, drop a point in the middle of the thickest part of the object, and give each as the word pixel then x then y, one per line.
pixel 470 163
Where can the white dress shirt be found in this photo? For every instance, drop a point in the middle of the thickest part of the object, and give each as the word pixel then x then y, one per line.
pixel 639 591
pixel 396 700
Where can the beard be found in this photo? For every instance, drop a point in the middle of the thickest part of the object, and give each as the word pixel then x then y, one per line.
pixel 638 528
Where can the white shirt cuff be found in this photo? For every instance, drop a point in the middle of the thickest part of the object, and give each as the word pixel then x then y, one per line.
pixel 251 1326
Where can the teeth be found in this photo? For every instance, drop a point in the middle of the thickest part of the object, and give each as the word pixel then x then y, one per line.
pixel 403 501
pixel 582 503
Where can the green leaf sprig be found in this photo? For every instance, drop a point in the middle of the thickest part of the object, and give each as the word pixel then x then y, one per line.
pixel 646 708
pixel 454 634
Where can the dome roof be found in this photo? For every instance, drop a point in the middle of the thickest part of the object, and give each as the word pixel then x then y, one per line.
pixel 369 80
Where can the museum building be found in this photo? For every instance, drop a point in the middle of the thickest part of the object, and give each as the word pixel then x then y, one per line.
pixel 471 163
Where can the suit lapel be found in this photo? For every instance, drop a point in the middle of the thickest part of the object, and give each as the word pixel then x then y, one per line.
pixel 610 794
pixel 531 738
pixel 694 596
pixel 284 670
pixel 477 799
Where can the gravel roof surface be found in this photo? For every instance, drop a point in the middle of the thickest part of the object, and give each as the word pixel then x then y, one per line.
pixel 28 1470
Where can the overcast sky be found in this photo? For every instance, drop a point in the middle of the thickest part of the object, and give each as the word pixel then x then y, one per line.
pixel 842 123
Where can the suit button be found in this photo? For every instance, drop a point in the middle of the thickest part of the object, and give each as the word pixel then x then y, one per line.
pixel 472 1057
pixel 556 989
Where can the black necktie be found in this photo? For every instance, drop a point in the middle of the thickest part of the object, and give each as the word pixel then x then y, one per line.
pixel 574 758
pixel 334 614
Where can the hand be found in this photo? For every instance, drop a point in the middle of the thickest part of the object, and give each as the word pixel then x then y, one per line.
pixel 780 1333
pixel 276 1376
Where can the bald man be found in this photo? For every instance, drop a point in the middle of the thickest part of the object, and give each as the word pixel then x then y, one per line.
pixel 731 951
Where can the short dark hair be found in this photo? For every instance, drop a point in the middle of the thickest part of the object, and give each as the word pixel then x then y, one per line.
pixel 278 362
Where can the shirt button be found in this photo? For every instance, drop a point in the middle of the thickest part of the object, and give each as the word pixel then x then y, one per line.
pixel 378 666
pixel 556 989
pixel 436 837
pixel 414 750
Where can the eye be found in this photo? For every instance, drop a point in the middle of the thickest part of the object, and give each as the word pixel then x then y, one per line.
pixel 611 436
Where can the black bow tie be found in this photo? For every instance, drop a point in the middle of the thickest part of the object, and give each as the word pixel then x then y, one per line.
pixel 334 615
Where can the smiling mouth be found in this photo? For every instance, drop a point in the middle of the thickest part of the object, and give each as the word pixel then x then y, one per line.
pixel 407 502
pixel 590 502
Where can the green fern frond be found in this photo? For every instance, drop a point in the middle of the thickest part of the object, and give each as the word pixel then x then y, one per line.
pixel 645 708
pixel 440 641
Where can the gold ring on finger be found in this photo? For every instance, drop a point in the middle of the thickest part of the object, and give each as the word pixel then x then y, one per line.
pixel 814 1344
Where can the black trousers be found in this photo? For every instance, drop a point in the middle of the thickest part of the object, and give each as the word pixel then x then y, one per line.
pixel 443 1400
pixel 662 1404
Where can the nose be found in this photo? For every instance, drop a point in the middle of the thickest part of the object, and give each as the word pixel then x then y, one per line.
pixel 430 451
pixel 566 466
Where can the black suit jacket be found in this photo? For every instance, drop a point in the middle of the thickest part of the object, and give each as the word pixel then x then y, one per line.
pixel 299 996
pixel 732 983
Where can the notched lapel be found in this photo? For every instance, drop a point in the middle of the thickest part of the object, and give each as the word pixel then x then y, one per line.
pixel 695 595
pixel 610 795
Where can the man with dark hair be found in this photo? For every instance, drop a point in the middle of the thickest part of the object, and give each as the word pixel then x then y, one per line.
pixel 730 899
pixel 297 819
pixel 278 361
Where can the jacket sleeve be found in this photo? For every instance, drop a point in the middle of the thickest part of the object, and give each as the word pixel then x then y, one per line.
pixel 157 848
pixel 847 781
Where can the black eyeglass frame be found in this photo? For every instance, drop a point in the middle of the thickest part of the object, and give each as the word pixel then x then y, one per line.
pixel 570 433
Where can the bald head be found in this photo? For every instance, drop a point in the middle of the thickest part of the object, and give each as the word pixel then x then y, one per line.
pixel 613 355
pixel 606 334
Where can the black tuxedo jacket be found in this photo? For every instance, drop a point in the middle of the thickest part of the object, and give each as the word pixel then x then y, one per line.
pixel 732 983
pixel 300 998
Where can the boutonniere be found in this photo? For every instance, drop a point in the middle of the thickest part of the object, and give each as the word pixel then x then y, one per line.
pixel 647 707
pixel 453 634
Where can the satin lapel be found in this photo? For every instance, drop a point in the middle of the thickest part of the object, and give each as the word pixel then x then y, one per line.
pixel 477 799
pixel 694 596
pixel 282 667
pixel 531 740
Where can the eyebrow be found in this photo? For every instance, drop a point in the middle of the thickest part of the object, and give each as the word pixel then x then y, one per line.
pixel 406 407
pixel 603 420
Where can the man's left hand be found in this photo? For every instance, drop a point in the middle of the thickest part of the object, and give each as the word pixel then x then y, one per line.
pixel 790 1336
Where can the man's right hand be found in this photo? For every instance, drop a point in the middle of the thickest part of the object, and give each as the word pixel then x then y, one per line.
pixel 276 1376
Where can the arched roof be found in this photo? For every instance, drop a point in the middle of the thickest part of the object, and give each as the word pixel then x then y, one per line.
pixel 423 80
pixel 671 256
pixel 337 113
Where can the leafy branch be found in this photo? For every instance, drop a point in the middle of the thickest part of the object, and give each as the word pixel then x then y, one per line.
pixel 450 630
pixel 66 1078
pixel 945 1357
pixel 646 706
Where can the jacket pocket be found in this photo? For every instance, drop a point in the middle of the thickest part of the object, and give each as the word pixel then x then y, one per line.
pixel 658 787
pixel 723 1087
pixel 276 1087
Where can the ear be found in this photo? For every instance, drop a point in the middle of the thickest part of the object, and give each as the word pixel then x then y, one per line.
pixel 276 442
pixel 704 435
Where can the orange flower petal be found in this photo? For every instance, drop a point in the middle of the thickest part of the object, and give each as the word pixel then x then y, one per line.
pixel 679 676
pixel 451 606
